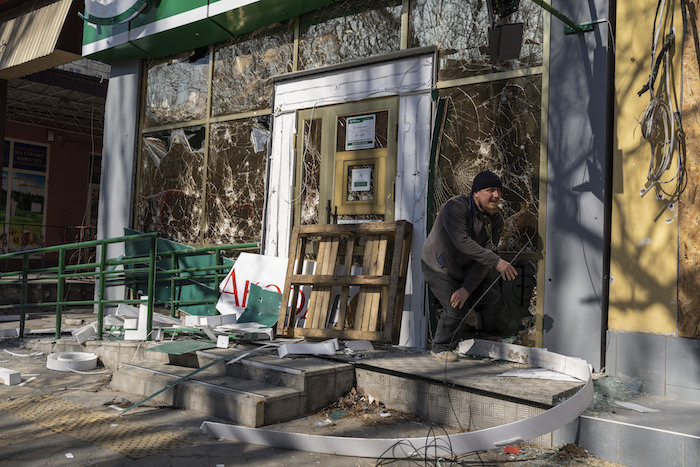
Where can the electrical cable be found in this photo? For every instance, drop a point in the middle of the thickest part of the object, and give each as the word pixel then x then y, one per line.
pixel 661 125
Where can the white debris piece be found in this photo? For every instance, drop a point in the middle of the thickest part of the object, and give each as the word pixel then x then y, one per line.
pixel 83 334
pixel 635 407
pixel 10 377
pixel 540 373
pixel 323 348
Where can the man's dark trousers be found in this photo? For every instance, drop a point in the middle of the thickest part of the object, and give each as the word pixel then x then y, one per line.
pixel 451 323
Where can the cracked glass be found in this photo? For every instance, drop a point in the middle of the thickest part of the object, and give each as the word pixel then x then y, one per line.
pixel 170 192
pixel 311 172
pixel 459 28
pixel 243 70
pixel 495 126
pixel 349 30
pixel 176 89
pixel 235 183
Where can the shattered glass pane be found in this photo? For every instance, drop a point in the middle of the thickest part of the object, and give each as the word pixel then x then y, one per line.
pixel 243 70
pixel 170 189
pixel 495 126
pixel 176 89
pixel 235 184
pixel 311 172
pixel 459 28
pixel 349 30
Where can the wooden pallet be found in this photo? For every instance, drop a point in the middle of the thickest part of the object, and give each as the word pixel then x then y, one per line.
pixel 381 248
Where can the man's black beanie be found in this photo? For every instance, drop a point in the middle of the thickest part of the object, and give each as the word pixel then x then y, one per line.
pixel 486 179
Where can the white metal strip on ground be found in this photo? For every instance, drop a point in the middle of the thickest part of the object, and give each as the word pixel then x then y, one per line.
pixel 438 446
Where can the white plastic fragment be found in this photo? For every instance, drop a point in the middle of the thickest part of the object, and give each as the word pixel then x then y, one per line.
pixel 213 321
pixel 83 334
pixel 222 342
pixel 448 445
pixel 323 348
pixel 71 361
pixel 539 373
pixel 14 354
pixel 10 377
pixel 635 407
pixel 70 456
pixel 141 332
pixel 28 380
pixel 129 311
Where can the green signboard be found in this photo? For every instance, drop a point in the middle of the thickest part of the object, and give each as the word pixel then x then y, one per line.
pixel 129 29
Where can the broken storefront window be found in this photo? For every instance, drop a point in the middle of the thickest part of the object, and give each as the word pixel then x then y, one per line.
pixel 235 183
pixel 176 89
pixel 170 189
pixel 460 31
pixel 243 70
pixel 349 30
pixel 495 126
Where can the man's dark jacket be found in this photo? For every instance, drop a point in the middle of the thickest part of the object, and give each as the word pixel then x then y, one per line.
pixel 459 244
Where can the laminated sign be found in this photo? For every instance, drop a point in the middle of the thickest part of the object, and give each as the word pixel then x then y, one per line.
pixel 268 272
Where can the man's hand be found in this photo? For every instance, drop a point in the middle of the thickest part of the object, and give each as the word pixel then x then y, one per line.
pixel 506 269
pixel 459 298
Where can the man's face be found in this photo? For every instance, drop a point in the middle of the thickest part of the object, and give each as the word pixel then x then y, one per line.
pixel 487 199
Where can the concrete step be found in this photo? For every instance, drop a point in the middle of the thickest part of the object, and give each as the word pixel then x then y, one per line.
pixel 256 391
pixel 322 381
pixel 670 436
pixel 245 402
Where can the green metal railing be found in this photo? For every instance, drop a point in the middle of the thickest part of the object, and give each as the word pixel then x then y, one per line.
pixel 123 271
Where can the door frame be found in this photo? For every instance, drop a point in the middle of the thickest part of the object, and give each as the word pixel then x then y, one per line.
pixel 333 161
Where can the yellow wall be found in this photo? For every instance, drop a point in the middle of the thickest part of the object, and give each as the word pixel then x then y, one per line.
pixel 644 256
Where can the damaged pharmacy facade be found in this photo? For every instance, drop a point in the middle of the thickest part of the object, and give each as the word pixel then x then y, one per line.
pixel 232 122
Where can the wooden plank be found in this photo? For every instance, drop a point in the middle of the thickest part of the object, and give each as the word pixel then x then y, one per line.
pixel 285 322
pixel 398 272
pixel 380 300
pixel 368 228
pixel 340 334
pixel 316 293
pixel 347 282
pixel 394 275
pixel 370 319
pixel 362 302
pixel 330 264
pixel 336 279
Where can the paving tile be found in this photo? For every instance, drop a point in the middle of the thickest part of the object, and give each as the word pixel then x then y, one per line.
pixel 691 452
pixel 683 393
pixel 599 437
pixel 641 447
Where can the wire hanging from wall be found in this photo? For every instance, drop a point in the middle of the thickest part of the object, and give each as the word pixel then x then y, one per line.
pixel 662 125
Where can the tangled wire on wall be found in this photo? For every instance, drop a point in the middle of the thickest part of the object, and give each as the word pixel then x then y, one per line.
pixel 662 125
